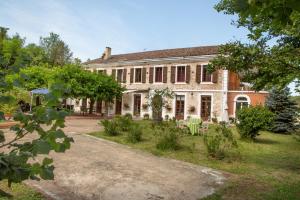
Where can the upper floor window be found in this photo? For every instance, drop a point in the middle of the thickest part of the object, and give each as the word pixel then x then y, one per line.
pixel 180 74
pixel 120 75
pixel 158 74
pixel 138 75
pixel 206 75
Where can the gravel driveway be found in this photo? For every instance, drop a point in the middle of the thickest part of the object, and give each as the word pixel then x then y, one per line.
pixel 98 169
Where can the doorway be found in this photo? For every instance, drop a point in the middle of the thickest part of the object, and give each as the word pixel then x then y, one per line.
pixel 179 107
pixel 137 104
pixel 205 107
pixel 118 106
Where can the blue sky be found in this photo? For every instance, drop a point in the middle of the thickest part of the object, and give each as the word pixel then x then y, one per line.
pixel 124 25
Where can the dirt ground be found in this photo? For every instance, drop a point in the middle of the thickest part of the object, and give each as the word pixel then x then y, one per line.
pixel 98 169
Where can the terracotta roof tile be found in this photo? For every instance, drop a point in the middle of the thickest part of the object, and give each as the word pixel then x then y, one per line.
pixel 179 52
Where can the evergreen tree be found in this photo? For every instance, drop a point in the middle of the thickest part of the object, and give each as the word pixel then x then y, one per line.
pixel 285 110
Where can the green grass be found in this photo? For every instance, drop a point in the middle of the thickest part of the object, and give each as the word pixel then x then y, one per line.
pixel 18 192
pixel 268 168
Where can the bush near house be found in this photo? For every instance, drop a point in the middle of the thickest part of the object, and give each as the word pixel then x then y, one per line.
pixel 219 140
pixel 111 127
pixel 253 119
pixel 134 133
pixel 123 122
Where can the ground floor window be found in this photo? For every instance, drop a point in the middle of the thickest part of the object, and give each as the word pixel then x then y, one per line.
pixel 241 102
pixel 205 107
pixel 137 104
pixel 179 107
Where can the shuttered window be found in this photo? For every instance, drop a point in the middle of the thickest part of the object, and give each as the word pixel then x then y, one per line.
pixel 158 74
pixel 119 75
pixel 180 74
pixel 138 75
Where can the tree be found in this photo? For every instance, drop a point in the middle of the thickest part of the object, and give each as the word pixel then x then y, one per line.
pixel 285 110
pixel 57 52
pixel 272 56
pixel 18 157
pixel 157 100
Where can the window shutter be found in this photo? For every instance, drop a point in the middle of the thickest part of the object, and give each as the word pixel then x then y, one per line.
pixel 188 73
pixel 144 70
pixel 113 73
pixel 165 74
pixel 198 74
pixel 215 77
pixel 131 75
pixel 173 73
pixel 151 75
pixel 124 75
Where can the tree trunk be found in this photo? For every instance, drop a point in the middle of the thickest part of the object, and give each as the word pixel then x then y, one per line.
pixel 92 102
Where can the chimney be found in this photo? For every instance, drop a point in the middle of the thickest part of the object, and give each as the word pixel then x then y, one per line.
pixel 107 53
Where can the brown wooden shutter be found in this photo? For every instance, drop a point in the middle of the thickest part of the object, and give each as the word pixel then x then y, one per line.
pixel 215 77
pixel 131 75
pixel 144 70
pixel 188 74
pixel 173 74
pixel 165 74
pixel 198 74
pixel 124 75
pixel 151 75
pixel 113 73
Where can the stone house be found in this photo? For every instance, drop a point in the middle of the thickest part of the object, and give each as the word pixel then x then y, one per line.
pixel 198 93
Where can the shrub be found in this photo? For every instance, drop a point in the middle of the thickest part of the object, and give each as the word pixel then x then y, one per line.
pixel 123 122
pixel 110 127
pixel 134 134
pixel 219 140
pixel 128 115
pixel 146 116
pixel 168 135
pixel 253 119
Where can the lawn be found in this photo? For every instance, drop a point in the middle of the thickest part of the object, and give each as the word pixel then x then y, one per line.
pixel 268 168
pixel 18 192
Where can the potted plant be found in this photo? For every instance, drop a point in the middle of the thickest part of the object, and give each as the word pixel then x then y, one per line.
pixel 145 106
pixel 192 109
pixel 168 107
pixel 126 106
pixel 146 116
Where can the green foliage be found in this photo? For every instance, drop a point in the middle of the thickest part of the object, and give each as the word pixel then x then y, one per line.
pixel 128 115
pixel 134 133
pixel 252 120
pixel 285 110
pixel 157 100
pixel 218 141
pixel 272 56
pixel 111 127
pixel 168 135
pixel 123 122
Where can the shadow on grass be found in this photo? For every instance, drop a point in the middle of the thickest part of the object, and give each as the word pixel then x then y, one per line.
pixel 265 141
pixel 5 194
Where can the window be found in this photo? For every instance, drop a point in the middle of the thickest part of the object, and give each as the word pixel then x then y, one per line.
pixel 100 71
pixel 158 74
pixel 119 75
pixel 206 76
pixel 138 75
pixel 181 74
pixel 241 102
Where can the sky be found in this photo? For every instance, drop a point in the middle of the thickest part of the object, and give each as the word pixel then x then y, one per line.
pixel 88 26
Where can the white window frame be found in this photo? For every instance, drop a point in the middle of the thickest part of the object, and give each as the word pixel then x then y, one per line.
pixel 154 74
pixel 116 77
pixel 138 67
pixel 236 100
pixel 176 82
pixel 211 76
pixel 211 106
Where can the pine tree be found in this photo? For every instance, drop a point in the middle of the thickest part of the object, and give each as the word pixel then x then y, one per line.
pixel 285 110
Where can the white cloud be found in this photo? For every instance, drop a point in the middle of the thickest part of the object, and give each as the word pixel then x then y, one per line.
pixel 86 31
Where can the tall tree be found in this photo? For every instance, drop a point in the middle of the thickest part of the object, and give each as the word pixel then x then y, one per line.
pixel 273 55
pixel 57 52
pixel 285 110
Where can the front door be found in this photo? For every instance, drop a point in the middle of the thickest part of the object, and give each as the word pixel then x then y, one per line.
pixel 99 106
pixel 179 110
pixel 118 106
pixel 206 107
pixel 137 104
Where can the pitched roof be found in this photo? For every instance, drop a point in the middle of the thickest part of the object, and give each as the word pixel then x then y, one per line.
pixel 166 53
